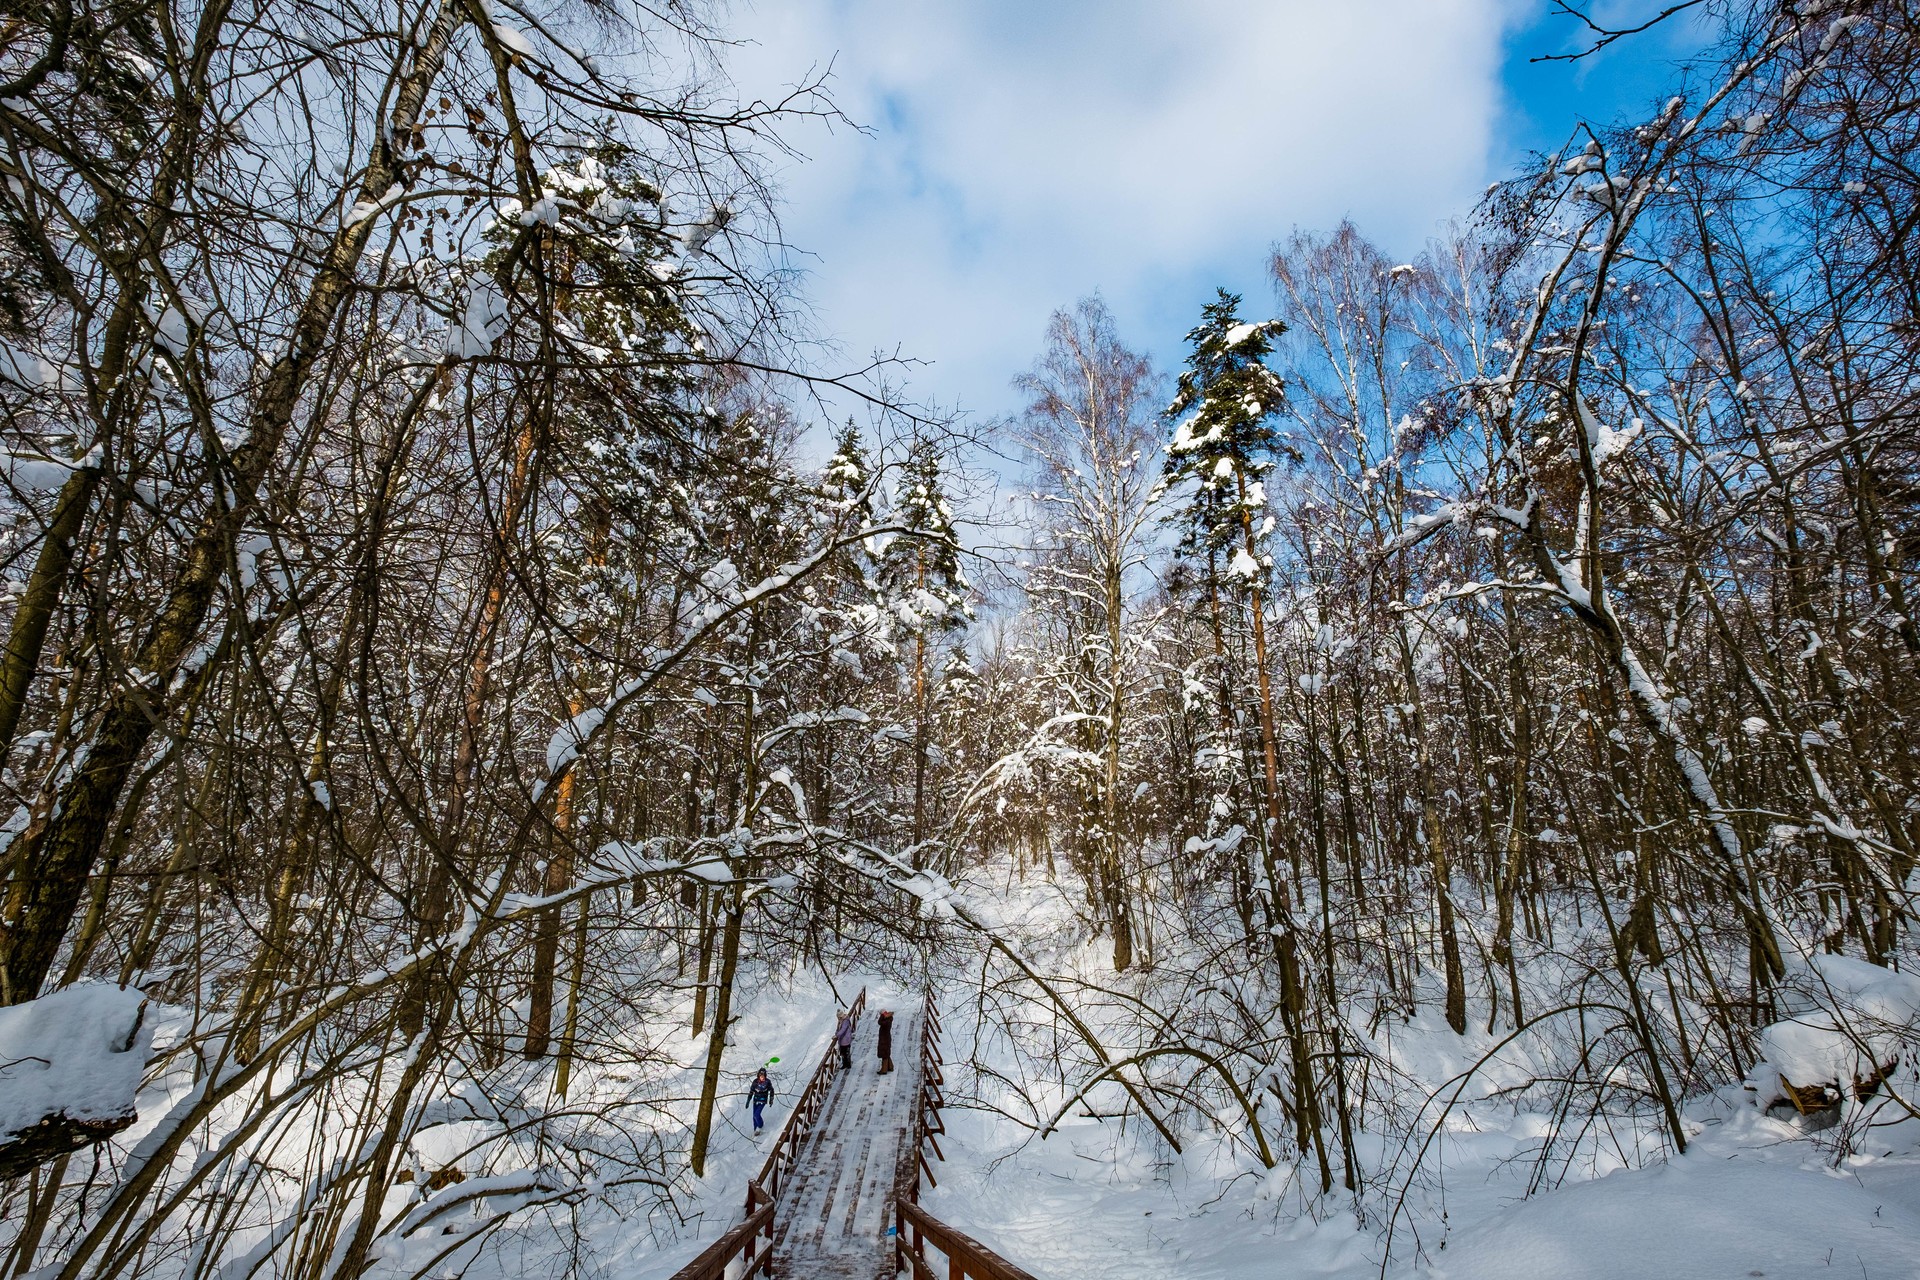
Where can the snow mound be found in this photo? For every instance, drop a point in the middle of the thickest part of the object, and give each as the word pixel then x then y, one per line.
pixel 1726 1210
pixel 79 1052
pixel 1854 1018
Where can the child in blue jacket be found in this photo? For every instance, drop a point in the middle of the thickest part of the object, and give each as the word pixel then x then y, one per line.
pixel 759 1094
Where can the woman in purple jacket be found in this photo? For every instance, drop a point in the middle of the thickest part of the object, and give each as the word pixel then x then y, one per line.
pixel 843 1036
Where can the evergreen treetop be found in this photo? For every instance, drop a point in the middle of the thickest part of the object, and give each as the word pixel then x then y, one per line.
pixel 921 570
pixel 1222 441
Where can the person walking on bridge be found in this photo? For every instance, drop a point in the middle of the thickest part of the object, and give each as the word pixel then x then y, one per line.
pixel 759 1094
pixel 885 1030
pixel 843 1036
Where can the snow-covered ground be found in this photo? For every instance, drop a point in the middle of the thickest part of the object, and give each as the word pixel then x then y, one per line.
pixel 1753 1195
pixel 642 1108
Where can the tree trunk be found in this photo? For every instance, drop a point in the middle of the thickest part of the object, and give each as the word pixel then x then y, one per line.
pixel 1278 898
pixel 1119 909
pixel 704 971
pixel 735 912
pixel 576 977
pixel 546 932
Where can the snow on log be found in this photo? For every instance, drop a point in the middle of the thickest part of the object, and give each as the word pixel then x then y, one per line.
pixel 1850 1022
pixel 70 1063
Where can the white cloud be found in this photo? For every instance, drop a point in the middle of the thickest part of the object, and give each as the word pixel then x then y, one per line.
pixel 1024 154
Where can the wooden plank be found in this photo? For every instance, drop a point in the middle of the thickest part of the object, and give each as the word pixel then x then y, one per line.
pixel 743 1241
pixel 846 1167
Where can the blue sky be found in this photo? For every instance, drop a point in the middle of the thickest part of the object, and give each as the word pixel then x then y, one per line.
pixel 1018 154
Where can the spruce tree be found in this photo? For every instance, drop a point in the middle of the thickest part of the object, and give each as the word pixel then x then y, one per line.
pixel 1223 444
pixel 847 479
pixel 920 578
pixel 1223 440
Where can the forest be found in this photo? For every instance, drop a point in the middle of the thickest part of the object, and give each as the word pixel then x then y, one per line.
pixel 457 664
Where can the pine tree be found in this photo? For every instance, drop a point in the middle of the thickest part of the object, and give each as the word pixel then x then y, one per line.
pixel 848 476
pixel 1224 441
pixel 1223 444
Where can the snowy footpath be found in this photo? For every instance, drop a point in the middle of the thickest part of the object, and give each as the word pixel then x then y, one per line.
pixel 794 1026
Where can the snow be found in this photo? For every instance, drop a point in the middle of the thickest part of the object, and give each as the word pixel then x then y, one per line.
pixel 481 323
pixel 1603 442
pixel 544 211
pixel 935 894
pixel 1097 1197
pixel 31 373
pixel 1765 1206
pixel 514 42
pixel 693 241
pixel 365 209
pixel 1837 28
pixel 1753 1195
pixel 78 1052
pixel 1855 1017
pixel 29 474
pixel 1420 527
pixel 711 870
pixel 170 329
pixel 612 1225
pixel 564 747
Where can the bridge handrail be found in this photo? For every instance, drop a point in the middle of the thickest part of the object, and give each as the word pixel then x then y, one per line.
pixel 916 1229
pixel 751 1241
pixel 967 1258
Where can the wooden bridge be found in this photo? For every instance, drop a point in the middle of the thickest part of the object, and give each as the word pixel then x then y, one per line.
pixel 838 1198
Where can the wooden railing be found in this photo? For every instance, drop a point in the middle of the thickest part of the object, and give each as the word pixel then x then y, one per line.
pixel 751 1242
pixel 927 1125
pixel 916 1231
pixel 967 1258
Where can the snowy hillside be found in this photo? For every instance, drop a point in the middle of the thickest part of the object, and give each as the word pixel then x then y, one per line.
pixel 1496 1180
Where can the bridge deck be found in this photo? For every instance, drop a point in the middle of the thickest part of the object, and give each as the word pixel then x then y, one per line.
pixel 836 1204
